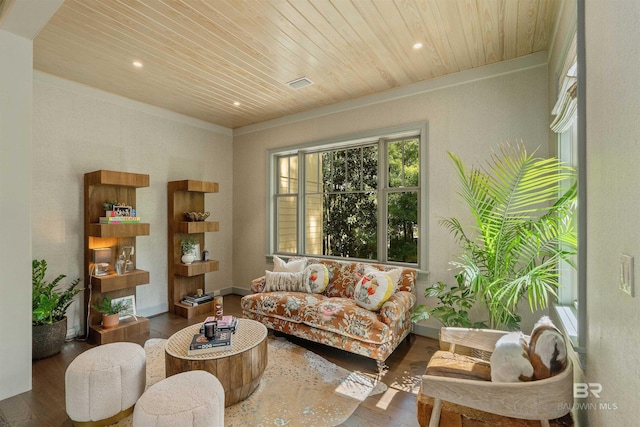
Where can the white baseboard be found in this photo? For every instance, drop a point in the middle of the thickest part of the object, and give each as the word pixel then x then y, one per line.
pixel 426 331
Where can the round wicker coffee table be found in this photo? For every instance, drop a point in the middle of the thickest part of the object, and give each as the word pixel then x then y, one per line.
pixel 238 368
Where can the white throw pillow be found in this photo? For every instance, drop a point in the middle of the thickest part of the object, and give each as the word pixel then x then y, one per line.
pixel 285 282
pixel 395 273
pixel 317 276
pixel 293 266
pixel 373 290
pixel 510 359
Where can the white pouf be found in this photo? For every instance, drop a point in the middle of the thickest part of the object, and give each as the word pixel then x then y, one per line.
pixel 188 399
pixel 103 383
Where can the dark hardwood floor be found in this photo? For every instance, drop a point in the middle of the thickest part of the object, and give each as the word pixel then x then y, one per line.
pixel 44 405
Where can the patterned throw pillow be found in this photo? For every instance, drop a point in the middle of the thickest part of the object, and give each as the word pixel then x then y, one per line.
pixel 293 266
pixel 373 290
pixel 317 276
pixel 285 282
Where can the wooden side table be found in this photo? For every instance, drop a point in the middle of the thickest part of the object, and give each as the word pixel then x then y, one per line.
pixel 239 368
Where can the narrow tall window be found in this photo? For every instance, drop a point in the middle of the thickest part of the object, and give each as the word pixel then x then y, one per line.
pixel 287 204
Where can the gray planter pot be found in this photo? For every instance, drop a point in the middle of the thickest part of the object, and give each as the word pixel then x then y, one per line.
pixel 47 340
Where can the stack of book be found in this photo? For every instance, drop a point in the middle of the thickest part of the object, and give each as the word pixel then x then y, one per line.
pixel 194 300
pixel 119 219
pixel 226 323
pixel 202 345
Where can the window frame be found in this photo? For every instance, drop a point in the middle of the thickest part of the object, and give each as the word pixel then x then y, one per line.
pixel 377 136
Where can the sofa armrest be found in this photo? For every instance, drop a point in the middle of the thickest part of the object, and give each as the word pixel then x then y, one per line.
pixel 257 285
pixel 396 307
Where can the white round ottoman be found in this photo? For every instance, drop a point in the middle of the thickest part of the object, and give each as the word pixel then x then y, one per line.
pixel 188 399
pixel 103 383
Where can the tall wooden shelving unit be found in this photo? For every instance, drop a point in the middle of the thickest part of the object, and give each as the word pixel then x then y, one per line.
pixel 187 196
pixel 99 187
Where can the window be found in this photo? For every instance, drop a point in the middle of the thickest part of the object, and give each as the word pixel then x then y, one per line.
pixel 328 198
pixel 570 125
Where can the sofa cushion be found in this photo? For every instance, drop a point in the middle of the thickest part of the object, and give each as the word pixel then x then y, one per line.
pixel 282 305
pixel 285 281
pixel 373 290
pixel 293 266
pixel 344 317
pixel 454 365
pixel 317 276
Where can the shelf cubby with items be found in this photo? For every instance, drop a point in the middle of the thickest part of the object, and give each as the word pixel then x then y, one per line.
pixel 109 251
pixel 186 279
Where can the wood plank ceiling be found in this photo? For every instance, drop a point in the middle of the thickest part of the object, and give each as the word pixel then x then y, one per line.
pixel 201 57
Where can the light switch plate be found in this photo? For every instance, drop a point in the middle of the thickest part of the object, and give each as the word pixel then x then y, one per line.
pixel 626 274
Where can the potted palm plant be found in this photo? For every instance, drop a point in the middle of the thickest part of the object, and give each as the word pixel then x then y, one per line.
pixel 49 308
pixel 522 228
pixel 111 311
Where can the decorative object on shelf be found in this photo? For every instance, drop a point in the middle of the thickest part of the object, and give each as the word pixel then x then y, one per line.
pixel 101 261
pixel 196 216
pixel 188 246
pixel 205 255
pixel 49 321
pixel 108 206
pixel 127 252
pixel 111 311
pixel 120 265
pixel 115 209
pixel 130 310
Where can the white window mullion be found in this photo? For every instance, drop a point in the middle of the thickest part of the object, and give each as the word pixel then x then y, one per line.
pixel 383 180
pixel 301 219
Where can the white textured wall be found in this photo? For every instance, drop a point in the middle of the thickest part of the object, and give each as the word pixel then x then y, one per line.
pixel 468 119
pixel 77 130
pixel 15 180
pixel 613 153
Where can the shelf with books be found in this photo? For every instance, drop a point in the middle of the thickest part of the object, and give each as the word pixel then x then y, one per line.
pixel 119 230
pixel 102 187
pixel 189 311
pixel 185 279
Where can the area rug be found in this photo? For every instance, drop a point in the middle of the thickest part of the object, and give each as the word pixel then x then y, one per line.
pixel 298 388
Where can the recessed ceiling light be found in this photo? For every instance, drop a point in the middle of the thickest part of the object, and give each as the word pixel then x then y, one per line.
pixel 237 104
pixel 417 46
pixel 137 64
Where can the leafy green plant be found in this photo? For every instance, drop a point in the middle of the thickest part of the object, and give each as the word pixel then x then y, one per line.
pixel 49 305
pixel 107 306
pixel 522 229
pixel 453 306
pixel 188 244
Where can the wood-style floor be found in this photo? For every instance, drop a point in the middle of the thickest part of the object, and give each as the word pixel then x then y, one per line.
pixel 44 405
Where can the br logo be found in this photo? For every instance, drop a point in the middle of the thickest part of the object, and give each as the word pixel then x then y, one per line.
pixel 582 390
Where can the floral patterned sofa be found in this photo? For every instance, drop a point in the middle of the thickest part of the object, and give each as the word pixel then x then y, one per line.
pixel 332 317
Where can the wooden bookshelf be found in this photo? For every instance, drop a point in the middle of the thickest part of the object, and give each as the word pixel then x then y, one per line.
pixel 187 196
pixel 99 187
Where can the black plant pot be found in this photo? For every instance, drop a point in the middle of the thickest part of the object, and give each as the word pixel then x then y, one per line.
pixel 47 340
